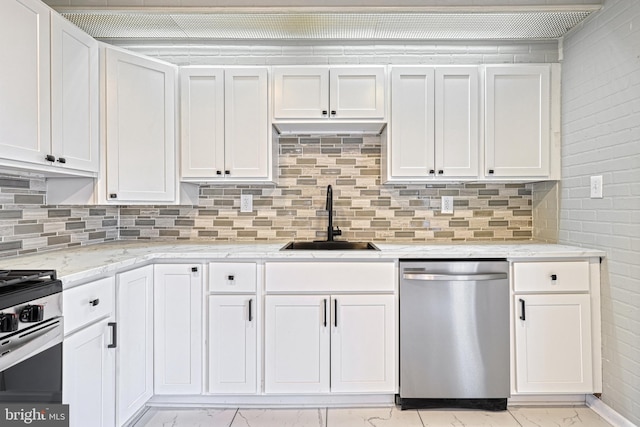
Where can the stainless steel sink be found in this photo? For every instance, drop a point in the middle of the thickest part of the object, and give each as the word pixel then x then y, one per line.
pixel 330 246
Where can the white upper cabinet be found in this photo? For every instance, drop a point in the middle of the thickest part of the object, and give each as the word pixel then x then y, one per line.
pixel 225 124
pixel 300 93
pixel 456 123
pixel 357 93
pixel 25 131
pixel 434 122
pixel 518 121
pixel 320 92
pixel 140 128
pixel 48 92
pixel 202 114
pixel 74 96
pixel 246 131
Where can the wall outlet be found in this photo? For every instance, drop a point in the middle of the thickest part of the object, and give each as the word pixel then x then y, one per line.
pixel 596 187
pixel 246 203
pixel 447 205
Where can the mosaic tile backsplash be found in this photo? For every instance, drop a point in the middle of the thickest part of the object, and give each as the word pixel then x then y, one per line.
pixel 28 225
pixel 364 209
pixel 294 208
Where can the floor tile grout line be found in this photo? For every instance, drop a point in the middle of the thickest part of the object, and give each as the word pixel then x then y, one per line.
pixel 514 417
pixel 234 416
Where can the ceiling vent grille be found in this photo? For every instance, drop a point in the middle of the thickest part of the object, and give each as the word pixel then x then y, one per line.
pixel 328 26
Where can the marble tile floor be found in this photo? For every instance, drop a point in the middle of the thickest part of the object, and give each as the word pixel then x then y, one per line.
pixel 578 416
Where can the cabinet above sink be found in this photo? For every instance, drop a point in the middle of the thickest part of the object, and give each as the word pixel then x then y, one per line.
pixel 322 99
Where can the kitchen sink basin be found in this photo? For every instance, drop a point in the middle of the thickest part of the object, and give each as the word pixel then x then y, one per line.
pixel 330 246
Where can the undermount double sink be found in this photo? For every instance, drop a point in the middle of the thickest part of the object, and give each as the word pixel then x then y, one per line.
pixel 335 245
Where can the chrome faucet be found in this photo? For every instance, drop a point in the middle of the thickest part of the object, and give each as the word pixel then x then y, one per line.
pixel 331 233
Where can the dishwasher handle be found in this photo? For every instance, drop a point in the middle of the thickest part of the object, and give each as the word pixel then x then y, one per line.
pixel 475 277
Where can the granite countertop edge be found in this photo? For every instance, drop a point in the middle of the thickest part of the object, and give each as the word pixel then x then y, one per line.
pixel 90 262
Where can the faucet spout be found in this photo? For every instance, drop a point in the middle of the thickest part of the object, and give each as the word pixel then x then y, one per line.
pixel 329 207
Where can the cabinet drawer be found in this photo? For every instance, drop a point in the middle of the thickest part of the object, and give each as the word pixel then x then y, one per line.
pixel 87 303
pixel 330 277
pixel 232 277
pixel 551 276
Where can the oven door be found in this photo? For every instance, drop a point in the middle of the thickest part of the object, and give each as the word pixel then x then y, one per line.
pixel 31 365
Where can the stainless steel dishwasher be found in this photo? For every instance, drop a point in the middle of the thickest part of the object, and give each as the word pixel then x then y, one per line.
pixel 454 334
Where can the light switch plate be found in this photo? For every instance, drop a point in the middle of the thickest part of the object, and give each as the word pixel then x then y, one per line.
pixel 447 205
pixel 596 187
pixel 246 203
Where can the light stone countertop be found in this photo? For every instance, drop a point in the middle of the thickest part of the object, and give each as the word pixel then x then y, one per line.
pixel 87 262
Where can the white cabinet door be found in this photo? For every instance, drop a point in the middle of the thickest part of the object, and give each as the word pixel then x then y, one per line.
pixel 517 120
pixel 202 117
pixel 300 92
pixel 178 329
pixel 140 116
pixel 412 122
pixel 357 92
pixel 553 343
pixel 134 359
pixel 456 121
pixel 232 344
pixel 246 153
pixel 324 92
pixel 74 96
pixel 434 122
pixel 296 344
pixel 88 385
pixel 25 108
pixel 363 343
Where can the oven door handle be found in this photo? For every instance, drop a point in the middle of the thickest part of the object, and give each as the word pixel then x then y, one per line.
pixel 29 342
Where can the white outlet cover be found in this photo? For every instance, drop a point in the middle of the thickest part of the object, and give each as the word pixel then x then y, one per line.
pixel 246 203
pixel 596 187
pixel 447 205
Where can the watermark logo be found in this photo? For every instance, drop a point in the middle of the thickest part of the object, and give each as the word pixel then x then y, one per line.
pixel 39 415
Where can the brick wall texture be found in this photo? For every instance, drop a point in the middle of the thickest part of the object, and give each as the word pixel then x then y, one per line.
pixel 601 136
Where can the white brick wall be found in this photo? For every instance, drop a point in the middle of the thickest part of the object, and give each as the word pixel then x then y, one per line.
pixel 313 54
pixel 601 136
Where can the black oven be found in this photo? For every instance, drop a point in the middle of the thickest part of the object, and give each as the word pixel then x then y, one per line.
pixel 31 332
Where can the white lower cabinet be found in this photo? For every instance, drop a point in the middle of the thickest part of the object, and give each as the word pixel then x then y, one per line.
pixel 556 343
pixel 88 355
pixel 330 343
pixel 233 349
pixel 553 344
pixel 178 337
pixel 89 377
pixel 234 328
pixel 297 348
pixel 134 355
pixel 363 343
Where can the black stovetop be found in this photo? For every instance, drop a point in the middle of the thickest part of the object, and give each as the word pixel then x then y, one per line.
pixel 22 286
